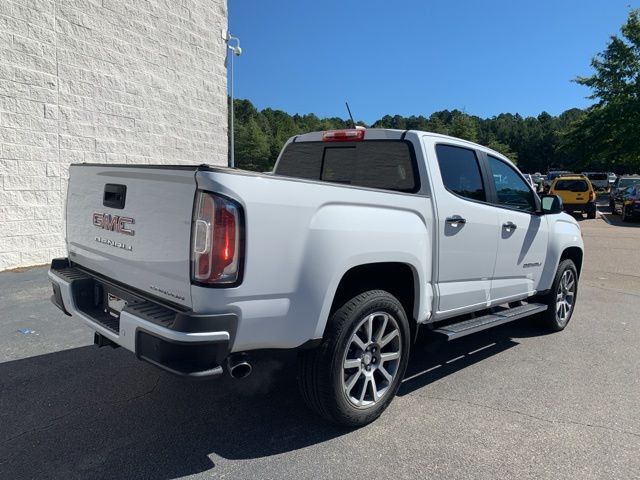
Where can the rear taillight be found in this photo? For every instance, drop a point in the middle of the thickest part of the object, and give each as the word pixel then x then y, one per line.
pixel 592 195
pixel 215 253
pixel 351 135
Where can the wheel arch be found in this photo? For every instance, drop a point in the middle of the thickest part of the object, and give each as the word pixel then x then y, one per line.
pixel 398 278
pixel 573 253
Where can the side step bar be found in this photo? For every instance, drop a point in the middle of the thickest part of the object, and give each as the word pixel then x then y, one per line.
pixel 467 327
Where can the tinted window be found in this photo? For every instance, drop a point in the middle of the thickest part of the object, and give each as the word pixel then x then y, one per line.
pixel 572 185
pixel 511 189
pixel 460 171
pixel 625 182
pixel 597 176
pixel 301 160
pixel 375 164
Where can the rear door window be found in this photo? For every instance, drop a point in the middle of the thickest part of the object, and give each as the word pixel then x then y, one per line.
pixel 461 172
pixel 384 164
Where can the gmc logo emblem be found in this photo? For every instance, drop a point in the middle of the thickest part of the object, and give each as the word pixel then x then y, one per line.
pixel 113 223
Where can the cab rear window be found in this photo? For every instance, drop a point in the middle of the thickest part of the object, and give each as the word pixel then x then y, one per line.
pixel 384 164
pixel 572 185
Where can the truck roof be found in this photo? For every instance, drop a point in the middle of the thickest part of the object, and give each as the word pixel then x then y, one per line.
pixel 394 134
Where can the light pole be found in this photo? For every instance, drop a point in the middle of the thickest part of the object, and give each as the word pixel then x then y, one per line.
pixel 235 52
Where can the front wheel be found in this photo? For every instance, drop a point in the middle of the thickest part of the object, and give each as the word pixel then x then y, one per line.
pixel 355 373
pixel 623 213
pixel 561 299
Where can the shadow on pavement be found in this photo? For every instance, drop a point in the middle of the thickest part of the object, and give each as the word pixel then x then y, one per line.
pixel 431 361
pixel 616 220
pixel 100 413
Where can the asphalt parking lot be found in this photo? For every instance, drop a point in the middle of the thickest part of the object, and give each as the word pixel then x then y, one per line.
pixel 512 402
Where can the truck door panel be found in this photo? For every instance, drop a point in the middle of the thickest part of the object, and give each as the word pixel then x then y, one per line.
pixel 523 238
pixel 467 232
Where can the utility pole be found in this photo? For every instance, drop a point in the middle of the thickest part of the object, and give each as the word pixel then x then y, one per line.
pixel 236 51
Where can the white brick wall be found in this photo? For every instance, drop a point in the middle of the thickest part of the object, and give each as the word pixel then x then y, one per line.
pixel 116 81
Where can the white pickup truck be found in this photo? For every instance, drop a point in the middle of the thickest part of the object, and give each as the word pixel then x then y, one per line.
pixel 356 239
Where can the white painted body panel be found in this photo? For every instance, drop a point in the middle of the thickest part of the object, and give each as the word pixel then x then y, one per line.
pixel 161 203
pixel 466 253
pixel 521 255
pixel 298 251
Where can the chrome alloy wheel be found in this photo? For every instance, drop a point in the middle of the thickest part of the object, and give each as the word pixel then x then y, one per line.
pixel 565 296
pixel 371 360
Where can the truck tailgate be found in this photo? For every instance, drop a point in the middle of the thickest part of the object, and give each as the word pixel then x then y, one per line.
pixel 133 225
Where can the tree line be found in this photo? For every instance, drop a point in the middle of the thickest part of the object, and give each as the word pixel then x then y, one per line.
pixel 603 137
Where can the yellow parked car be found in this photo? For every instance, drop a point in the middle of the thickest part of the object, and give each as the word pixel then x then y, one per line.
pixel 576 192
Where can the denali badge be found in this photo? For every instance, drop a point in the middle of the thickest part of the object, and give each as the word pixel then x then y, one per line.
pixel 111 243
pixel 166 292
pixel 529 265
pixel 114 223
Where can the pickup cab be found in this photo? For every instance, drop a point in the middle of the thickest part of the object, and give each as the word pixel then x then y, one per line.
pixel 356 239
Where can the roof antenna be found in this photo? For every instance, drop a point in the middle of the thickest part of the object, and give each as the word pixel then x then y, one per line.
pixel 353 124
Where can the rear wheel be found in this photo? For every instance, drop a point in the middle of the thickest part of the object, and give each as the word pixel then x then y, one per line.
pixel 591 215
pixel 612 206
pixel 561 299
pixel 623 213
pixel 355 373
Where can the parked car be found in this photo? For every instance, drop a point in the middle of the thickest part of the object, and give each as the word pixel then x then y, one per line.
pixel 356 240
pixel 576 192
pixel 618 188
pixel 539 181
pixel 599 180
pixel 538 177
pixel 630 206
pixel 529 180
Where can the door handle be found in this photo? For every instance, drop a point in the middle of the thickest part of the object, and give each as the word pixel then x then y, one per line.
pixel 509 226
pixel 455 220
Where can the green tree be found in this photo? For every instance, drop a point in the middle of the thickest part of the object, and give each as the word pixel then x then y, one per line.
pixel 610 129
pixel 535 142
pixel 503 149
pixel 437 125
pixel 252 146
pixel 464 126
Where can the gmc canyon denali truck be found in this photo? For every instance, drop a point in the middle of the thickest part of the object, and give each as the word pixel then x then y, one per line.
pixel 356 239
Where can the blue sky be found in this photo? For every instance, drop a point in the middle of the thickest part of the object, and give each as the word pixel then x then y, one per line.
pixel 419 56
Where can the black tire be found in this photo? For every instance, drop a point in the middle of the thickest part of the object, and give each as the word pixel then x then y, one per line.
pixel 612 206
pixel 550 317
pixel 623 214
pixel 321 372
pixel 591 215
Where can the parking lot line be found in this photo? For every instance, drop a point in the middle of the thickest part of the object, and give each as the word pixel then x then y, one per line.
pixel 603 216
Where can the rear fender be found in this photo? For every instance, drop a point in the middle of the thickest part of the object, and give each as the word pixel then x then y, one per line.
pixel 346 236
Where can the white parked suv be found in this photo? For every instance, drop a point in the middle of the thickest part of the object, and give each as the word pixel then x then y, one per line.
pixel 357 238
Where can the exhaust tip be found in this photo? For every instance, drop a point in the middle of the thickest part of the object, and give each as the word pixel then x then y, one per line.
pixel 239 366
pixel 242 370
